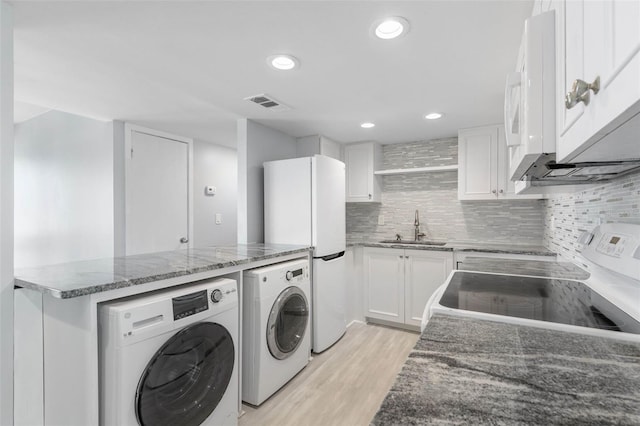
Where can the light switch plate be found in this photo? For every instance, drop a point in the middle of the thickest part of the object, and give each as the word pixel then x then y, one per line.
pixel 218 218
pixel 380 219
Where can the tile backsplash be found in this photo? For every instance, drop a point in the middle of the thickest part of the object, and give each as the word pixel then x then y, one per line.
pixel 567 215
pixel 435 195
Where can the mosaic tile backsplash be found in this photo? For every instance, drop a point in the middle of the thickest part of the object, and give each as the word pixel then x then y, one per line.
pixel 435 195
pixel 567 215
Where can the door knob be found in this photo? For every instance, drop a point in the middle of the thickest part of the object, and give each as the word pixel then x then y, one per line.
pixel 581 92
pixel 184 240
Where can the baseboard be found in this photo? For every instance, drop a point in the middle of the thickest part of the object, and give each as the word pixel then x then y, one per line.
pixel 413 328
pixel 355 322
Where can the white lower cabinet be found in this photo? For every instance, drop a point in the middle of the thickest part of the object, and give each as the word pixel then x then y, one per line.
pixel 398 282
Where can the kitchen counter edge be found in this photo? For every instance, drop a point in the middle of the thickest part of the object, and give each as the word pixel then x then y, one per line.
pixel 464 247
pixel 82 278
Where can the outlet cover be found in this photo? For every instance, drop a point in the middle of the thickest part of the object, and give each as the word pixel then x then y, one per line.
pixel 380 219
pixel 218 218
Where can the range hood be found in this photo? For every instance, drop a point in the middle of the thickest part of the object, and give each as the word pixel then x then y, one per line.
pixel 545 171
pixel 531 125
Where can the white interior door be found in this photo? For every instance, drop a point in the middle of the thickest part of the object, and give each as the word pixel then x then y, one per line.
pixel 158 194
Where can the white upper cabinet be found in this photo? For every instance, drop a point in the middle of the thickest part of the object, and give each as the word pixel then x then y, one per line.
pixel 483 165
pixel 361 161
pixel 478 163
pixel 598 42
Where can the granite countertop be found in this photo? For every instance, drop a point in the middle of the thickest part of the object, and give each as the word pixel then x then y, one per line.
pixel 463 246
pixel 74 279
pixel 471 371
pixel 537 268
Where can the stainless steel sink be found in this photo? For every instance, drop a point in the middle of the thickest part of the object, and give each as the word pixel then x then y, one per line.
pixel 422 243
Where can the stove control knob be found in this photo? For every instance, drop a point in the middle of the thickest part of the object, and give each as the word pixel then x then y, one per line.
pixel 216 295
pixel 289 275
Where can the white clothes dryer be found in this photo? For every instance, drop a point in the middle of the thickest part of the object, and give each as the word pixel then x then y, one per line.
pixel 276 327
pixel 171 357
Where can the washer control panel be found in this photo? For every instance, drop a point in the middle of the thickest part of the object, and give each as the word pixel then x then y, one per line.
pixel 190 304
pixel 290 275
pixel 297 274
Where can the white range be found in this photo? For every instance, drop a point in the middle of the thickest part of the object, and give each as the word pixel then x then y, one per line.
pixel 606 304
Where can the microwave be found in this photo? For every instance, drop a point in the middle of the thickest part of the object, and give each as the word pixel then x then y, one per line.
pixel 529 110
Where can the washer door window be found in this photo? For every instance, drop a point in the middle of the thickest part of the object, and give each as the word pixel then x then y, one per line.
pixel 187 377
pixel 287 322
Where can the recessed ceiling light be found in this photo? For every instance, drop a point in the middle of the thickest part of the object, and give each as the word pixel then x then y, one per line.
pixel 433 116
pixel 389 28
pixel 282 62
pixel 367 125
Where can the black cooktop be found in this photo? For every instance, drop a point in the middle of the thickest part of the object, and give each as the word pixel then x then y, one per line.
pixel 544 299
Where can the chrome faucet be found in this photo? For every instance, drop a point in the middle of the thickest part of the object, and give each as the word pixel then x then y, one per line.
pixel 416 224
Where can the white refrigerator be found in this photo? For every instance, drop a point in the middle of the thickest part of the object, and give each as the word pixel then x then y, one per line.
pixel 304 203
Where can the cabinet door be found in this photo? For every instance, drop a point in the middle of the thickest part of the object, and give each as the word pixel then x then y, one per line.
pixel 359 166
pixel 478 163
pixel 506 188
pixel 361 161
pixel 570 42
pixel 598 39
pixel 384 284
pixel 425 271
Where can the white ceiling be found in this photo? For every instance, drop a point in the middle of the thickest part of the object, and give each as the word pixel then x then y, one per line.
pixel 185 67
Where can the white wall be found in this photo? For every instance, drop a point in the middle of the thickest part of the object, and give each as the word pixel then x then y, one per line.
pixel 119 193
pixel 63 189
pixel 256 144
pixel 215 165
pixel 6 214
pixel 311 145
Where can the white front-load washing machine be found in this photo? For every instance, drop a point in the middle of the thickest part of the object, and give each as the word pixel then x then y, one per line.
pixel 171 357
pixel 276 327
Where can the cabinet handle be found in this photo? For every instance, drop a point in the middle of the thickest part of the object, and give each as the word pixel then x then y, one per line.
pixel 493 191
pixel 581 92
pixel 502 191
pixel 369 196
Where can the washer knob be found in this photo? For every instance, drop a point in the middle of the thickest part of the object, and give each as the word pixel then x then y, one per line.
pixel 289 275
pixel 216 295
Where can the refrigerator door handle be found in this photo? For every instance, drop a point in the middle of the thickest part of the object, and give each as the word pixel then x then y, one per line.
pixel 331 256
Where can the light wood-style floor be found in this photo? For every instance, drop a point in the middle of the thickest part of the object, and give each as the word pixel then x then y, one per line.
pixel 344 385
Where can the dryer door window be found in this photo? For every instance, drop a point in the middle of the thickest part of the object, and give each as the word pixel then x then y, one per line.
pixel 187 377
pixel 287 322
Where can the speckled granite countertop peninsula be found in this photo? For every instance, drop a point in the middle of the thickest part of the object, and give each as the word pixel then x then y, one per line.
pixel 470 371
pixel 536 268
pixel 462 246
pixel 74 279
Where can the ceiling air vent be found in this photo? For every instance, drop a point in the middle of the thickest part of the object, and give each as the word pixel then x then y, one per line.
pixel 268 102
